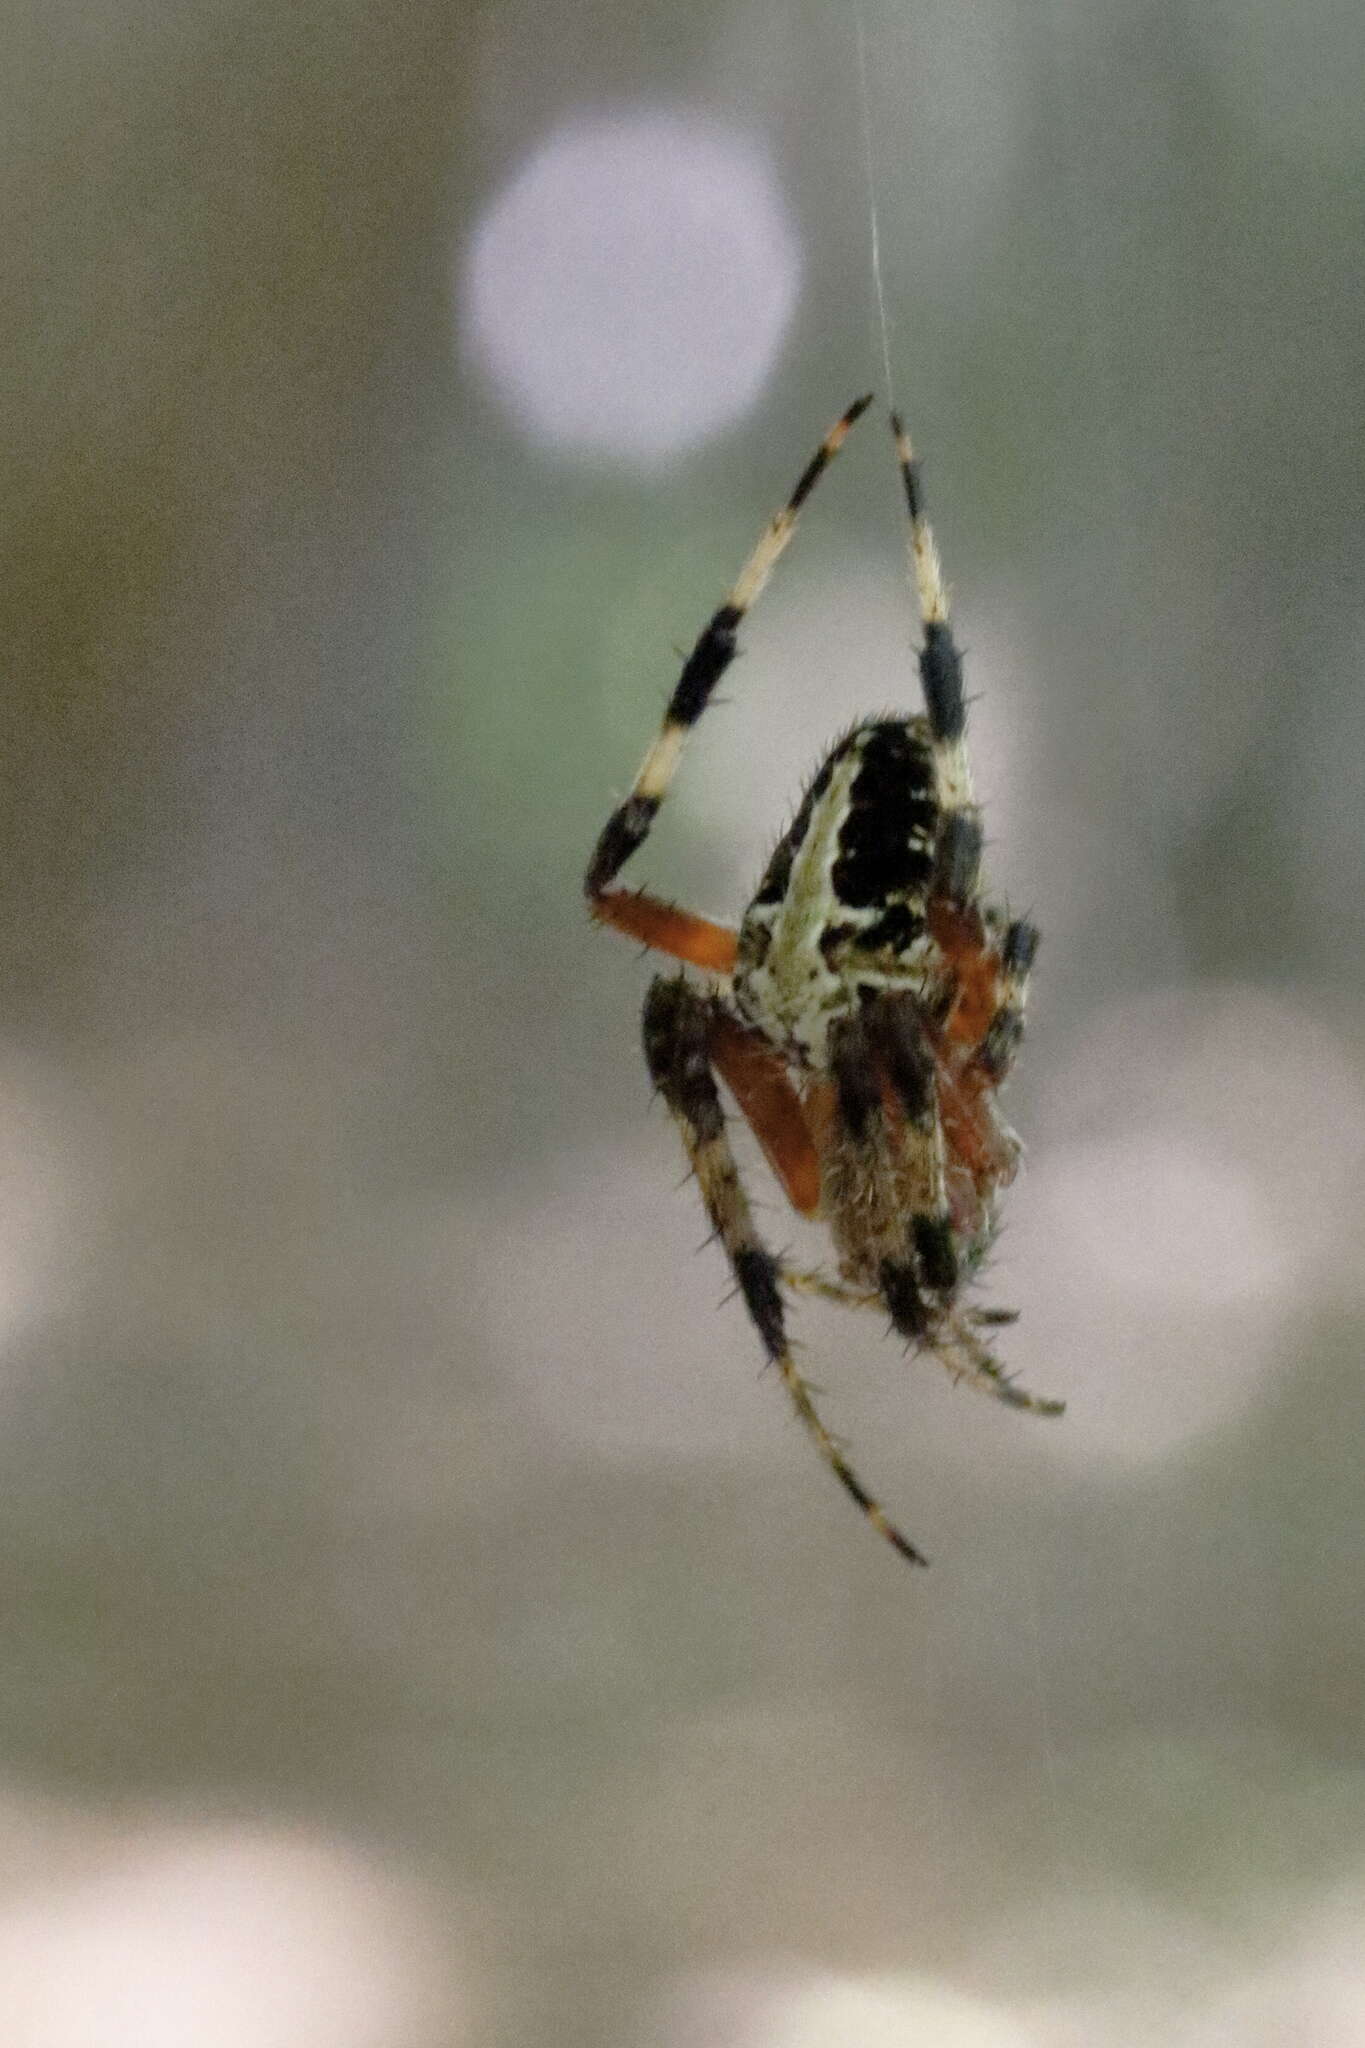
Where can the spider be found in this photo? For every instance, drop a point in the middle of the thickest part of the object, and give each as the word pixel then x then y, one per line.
pixel 864 1014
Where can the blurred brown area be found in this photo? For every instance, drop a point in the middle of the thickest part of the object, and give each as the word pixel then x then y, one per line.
pixel 373 1458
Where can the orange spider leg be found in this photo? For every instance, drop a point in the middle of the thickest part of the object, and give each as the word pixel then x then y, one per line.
pixel 668 929
pixel 975 968
pixel 757 1078
pixel 972 1129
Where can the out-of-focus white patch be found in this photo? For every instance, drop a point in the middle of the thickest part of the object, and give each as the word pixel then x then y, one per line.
pixel 1260 1086
pixel 1101 1965
pixel 1312 1991
pixel 1153 1215
pixel 200 1937
pixel 1195 1182
pixel 627 291
pixel 829 2012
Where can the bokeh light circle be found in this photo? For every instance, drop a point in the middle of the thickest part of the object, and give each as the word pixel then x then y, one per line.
pixel 627 291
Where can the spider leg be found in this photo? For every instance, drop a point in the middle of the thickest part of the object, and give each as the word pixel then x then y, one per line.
pixel 967 1358
pixel 802 1280
pixel 995 1055
pixel 667 929
pixel 810 1280
pixel 891 1132
pixel 957 852
pixel 757 1078
pixel 628 826
pixel 888 1155
pixel 907 1061
pixel 678 1022
pixel 953 1337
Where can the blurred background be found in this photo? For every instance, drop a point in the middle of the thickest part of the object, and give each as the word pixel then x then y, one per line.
pixel 423 1622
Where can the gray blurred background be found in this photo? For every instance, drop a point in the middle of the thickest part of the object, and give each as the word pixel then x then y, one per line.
pixel 423 1622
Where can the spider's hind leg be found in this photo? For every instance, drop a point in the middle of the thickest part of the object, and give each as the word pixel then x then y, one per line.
pixel 678 1021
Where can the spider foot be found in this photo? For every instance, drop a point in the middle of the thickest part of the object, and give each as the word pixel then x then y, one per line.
pixel 967 1358
pixel 1015 1396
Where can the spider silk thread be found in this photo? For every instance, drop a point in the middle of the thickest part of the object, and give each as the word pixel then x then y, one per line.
pixel 873 219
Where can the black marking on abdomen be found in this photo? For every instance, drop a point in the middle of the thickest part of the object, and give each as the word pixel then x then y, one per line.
pixel 898 927
pixel 834 938
pixel 885 839
pixel 895 764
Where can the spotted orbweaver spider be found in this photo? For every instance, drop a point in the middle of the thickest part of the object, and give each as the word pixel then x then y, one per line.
pixel 864 1014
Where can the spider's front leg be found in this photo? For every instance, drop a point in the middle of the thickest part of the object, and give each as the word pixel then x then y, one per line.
pixel 695 939
pixel 679 1026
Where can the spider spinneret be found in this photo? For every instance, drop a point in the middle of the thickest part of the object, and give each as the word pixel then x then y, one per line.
pixel 864 1014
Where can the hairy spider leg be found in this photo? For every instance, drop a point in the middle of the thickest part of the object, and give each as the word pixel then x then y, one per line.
pixel 628 826
pixel 677 1036
pixel 884 1150
pixel 969 1359
pixel 957 852
pixel 966 1359
pixel 889 1143
pixel 756 1075
pixel 995 1054
pixel 991 982
pixel 757 1078
pixel 712 947
pixel 810 1280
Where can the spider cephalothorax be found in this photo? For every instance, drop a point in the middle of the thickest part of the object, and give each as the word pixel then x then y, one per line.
pixel 864 1014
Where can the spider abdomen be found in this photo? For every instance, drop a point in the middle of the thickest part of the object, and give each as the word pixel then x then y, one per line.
pixel 842 901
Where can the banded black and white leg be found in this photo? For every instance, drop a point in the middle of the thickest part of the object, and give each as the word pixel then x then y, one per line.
pixel 1018 945
pixel 957 853
pixel 677 1026
pixel 629 824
